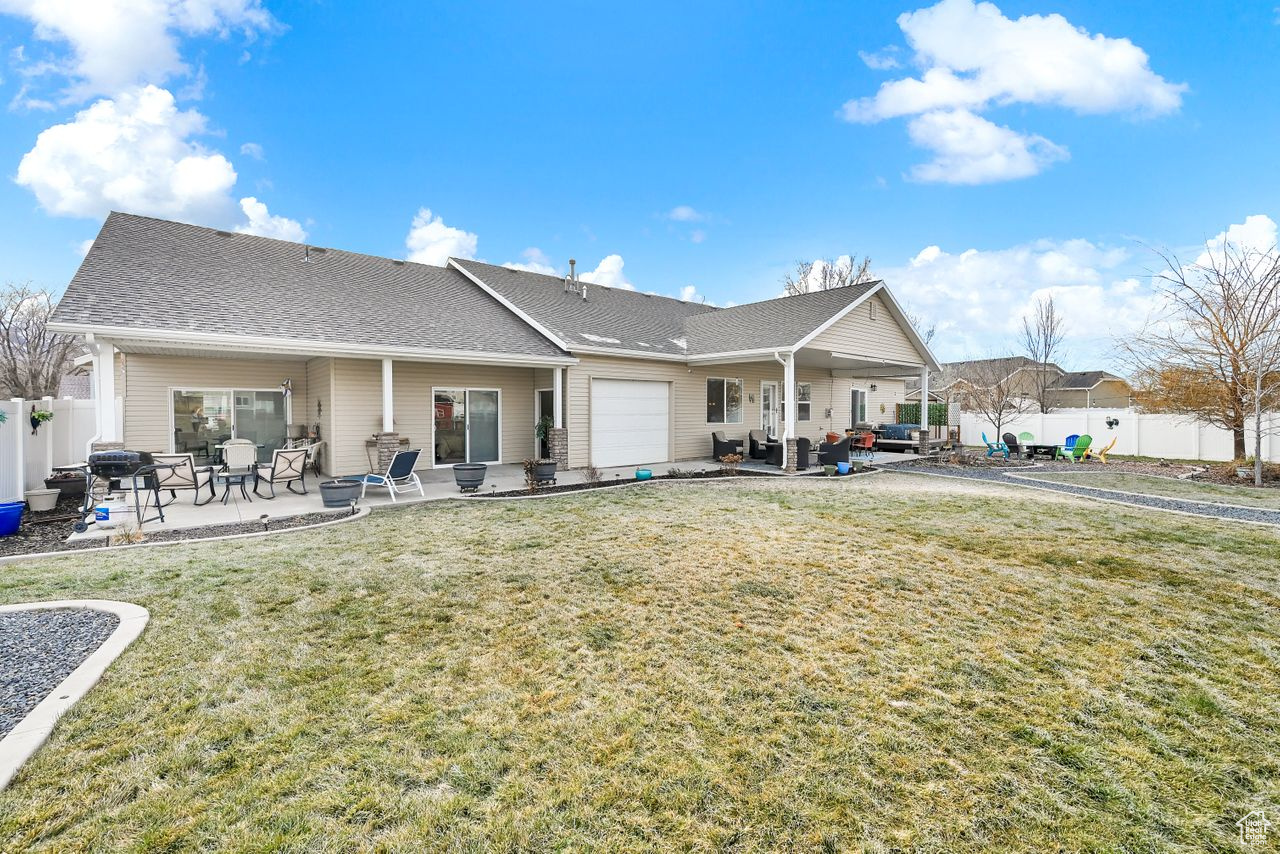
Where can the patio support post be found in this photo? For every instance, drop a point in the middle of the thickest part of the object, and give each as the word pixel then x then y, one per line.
pixel 558 436
pixel 388 439
pixel 104 385
pixel 924 409
pixel 789 413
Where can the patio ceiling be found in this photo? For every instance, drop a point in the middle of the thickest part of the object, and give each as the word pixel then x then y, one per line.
pixel 854 365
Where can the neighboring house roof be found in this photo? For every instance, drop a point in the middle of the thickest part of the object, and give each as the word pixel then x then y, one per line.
pixel 151 274
pixel 966 370
pixel 1083 380
pixel 608 319
pixel 772 324
pixel 77 386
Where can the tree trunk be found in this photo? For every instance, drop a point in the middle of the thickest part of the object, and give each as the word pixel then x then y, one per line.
pixel 1237 436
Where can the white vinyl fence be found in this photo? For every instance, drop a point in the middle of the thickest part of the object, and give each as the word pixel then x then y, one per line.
pixel 1138 434
pixel 26 459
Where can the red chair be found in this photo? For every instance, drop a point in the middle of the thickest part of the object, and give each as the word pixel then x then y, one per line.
pixel 863 444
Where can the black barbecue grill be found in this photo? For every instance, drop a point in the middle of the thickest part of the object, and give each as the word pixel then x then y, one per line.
pixel 123 472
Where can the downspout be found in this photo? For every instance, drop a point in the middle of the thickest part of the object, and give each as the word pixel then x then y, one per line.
pixel 786 394
pixel 96 352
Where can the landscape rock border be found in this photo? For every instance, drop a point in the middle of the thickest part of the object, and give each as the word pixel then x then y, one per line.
pixel 34 729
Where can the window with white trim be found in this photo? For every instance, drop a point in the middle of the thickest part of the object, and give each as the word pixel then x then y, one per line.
pixel 804 401
pixel 724 400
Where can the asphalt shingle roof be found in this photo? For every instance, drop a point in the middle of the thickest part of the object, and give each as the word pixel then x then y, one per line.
pixel 148 273
pixel 1082 379
pixel 780 322
pixel 609 318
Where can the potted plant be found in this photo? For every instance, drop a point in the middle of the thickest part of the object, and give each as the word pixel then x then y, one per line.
pixel 543 428
pixel 539 472
pixel 829 470
pixel 339 493
pixel 469 476
pixel 38 417
pixel 66 482
pixel 41 500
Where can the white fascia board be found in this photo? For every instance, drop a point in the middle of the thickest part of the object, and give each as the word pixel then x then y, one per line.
pixel 627 354
pixel 210 340
pixel 762 354
pixel 512 307
pixel 901 316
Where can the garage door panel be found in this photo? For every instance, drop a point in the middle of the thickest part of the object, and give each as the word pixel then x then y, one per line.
pixel 630 422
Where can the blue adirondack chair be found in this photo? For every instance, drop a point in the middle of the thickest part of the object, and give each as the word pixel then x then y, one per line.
pixel 1069 446
pixel 994 448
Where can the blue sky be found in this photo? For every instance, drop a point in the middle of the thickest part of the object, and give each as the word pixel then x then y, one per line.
pixel 693 148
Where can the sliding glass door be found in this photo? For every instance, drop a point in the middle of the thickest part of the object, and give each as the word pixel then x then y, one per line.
pixel 466 425
pixel 205 418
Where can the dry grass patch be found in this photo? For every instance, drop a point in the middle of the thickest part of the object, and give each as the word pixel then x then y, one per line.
pixel 1167 487
pixel 893 662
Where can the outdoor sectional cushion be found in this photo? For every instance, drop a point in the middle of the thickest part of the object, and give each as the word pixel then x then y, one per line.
pixel 898 432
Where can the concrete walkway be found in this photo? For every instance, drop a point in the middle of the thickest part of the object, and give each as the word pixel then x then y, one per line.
pixel 1019 477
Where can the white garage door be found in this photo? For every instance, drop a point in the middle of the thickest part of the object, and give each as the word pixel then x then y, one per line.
pixel 629 422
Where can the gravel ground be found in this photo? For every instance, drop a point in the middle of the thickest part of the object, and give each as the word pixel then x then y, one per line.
pixel 1270 517
pixel 40 649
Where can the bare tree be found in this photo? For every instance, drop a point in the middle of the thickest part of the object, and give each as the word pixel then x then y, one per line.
pixel 33 359
pixel 826 274
pixel 991 388
pixel 925 329
pixel 1042 335
pixel 1210 353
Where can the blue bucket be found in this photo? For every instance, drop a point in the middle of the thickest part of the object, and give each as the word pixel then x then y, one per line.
pixel 10 518
pixel 843 468
pixel 643 474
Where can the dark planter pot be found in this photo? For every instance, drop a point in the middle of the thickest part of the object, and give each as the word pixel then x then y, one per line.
pixel 469 476
pixel 545 472
pixel 339 493
pixel 65 485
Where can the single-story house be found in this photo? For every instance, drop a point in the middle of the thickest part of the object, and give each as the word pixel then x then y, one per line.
pixel 1089 390
pixel 1018 374
pixel 213 334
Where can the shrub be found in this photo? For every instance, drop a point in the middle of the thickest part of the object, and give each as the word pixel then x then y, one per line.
pixel 729 464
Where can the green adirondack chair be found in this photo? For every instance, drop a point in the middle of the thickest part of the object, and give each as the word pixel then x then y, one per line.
pixel 1081 448
pixel 1025 438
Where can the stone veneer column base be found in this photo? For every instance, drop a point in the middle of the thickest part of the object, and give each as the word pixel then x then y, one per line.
pixel 558 446
pixel 791 456
pixel 388 444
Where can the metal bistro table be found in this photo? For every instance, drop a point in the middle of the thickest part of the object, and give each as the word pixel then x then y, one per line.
pixel 235 477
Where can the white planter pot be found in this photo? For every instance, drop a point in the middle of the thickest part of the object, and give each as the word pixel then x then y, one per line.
pixel 41 500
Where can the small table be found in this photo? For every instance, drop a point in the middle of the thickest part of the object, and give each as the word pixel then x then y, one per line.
pixel 235 477
pixel 1050 451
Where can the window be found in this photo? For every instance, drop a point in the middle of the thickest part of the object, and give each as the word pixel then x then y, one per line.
pixel 804 401
pixel 724 401
pixel 859 407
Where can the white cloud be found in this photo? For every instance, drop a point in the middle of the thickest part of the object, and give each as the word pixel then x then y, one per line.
pixel 85 246
pixel 254 150
pixel 698 235
pixel 975 59
pixel 689 293
pixel 116 44
pixel 1256 234
pixel 430 241
pixel 978 297
pixel 133 153
pixel 535 261
pixel 609 273
pixel 968 149
pixel 684 213
pixel 882 60
pixel 260 222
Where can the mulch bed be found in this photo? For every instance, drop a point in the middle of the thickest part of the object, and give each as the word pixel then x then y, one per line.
pixel 48 532
pixel 715 474
pixel 1226 473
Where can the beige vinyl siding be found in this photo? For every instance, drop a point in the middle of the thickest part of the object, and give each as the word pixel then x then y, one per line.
pixel 857 334
pixel 881 403
pixel 690 433
pixel 357 406
pixel 319 391
pixel 149 379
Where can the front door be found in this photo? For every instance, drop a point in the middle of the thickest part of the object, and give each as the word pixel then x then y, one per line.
pixel 466 425
pixel 544 405
pixel 769 408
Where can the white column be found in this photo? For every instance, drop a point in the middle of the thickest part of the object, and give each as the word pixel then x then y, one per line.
pixel 924 400
pixel 104 382
pixel 557 392
pixel 788 404
pixel 388 399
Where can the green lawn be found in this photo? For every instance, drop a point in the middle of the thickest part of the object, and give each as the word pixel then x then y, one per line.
pixel 1216 493
pixel 890 662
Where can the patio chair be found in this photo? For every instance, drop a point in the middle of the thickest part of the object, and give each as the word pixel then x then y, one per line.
pixel 287 467
pixel 802 454
pixel 720 446
pixel 755 444
pixel 1069 444
pixel 1025 438
pixel 864 444
pixel 1011 442
pixel 833 453
pixel 994 448
pixel 399 477
pixel 1081 448
pixel 239 454
pixel 183 476
pixel 1102 455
